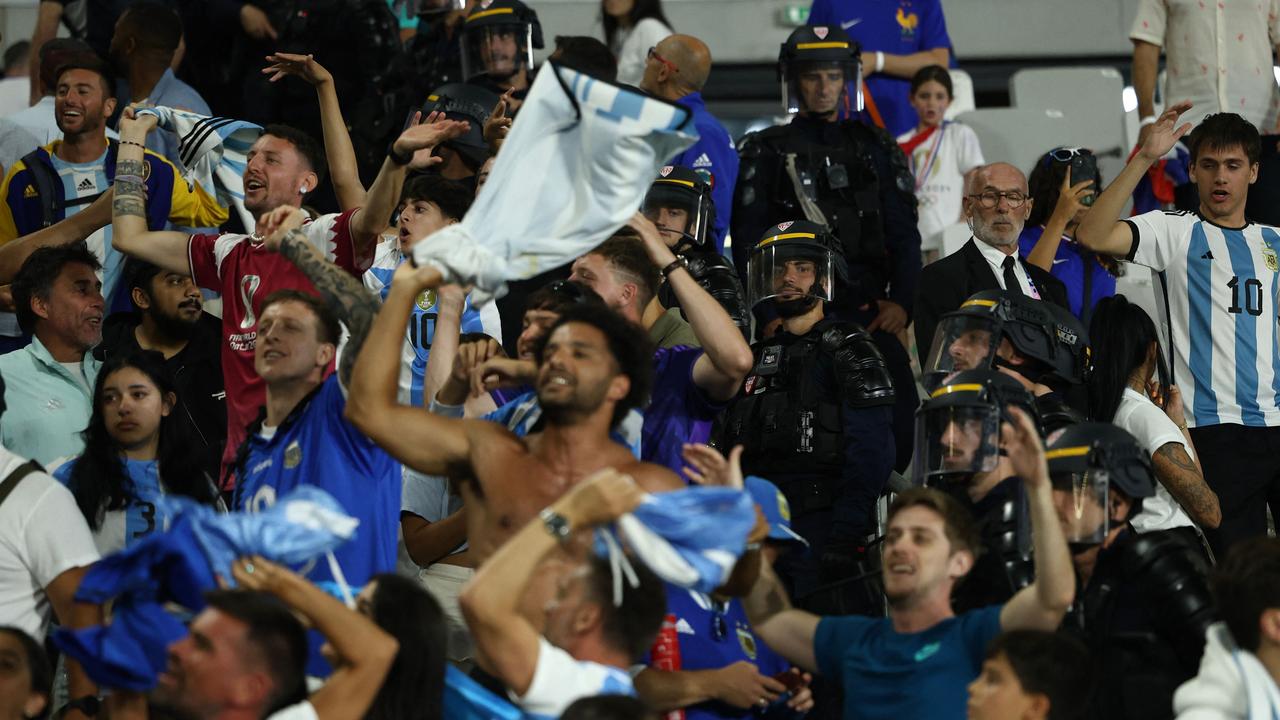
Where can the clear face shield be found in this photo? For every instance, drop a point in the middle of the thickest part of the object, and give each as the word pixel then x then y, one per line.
pixel 497 50
pixel 1081 501
pixel 961 342
pixel 788 273
pixel 821 87
pixel 956 441
pixel 681 217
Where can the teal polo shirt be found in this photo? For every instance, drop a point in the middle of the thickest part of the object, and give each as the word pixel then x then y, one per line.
pixel 46 409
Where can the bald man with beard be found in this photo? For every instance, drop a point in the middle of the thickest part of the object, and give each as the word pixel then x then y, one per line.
pixel 676 70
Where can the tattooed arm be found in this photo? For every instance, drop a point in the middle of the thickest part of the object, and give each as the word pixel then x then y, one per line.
pixel 129 233
pixel 788 631
pixel 342 291
pixel 1181 476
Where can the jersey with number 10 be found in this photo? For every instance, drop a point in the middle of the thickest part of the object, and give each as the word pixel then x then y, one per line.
pixel 1219 309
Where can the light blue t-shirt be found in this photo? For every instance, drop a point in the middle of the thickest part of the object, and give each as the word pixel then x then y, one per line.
pixel 887 675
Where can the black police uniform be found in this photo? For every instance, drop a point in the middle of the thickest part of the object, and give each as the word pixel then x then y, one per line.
pixel 814 418
pixel 1005 565
pixel 862 183
pixel 1144 615
pixel 716 275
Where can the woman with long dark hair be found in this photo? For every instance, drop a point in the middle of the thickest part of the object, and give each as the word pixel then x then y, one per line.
pixel 1058 202
pixel 631 29
pixel 1127 373
pixel 415 684
pixel 135 451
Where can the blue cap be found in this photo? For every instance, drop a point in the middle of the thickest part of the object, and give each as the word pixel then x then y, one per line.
pixel 775 508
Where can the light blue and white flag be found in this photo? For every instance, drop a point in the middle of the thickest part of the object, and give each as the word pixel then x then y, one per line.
pixel 575 167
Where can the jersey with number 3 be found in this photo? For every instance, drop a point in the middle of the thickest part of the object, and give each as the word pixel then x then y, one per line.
pixel 1218 308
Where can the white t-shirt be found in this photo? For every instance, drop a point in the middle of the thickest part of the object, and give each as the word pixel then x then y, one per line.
pixel 42 535
pixel 939 165
pixel 1217 313
pixel 559 680
pixel 1153 429
pixel 632 48
pixel 302 711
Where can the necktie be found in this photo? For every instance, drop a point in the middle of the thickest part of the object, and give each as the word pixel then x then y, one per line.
pixel 1010 279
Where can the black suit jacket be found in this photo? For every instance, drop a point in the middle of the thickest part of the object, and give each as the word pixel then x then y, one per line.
pixel 947 283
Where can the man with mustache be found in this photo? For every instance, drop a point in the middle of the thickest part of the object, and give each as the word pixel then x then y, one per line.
pixel 996 207
pixel 169 318
pixel 815 414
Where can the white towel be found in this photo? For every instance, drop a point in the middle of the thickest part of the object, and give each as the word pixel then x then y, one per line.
pixel 576 165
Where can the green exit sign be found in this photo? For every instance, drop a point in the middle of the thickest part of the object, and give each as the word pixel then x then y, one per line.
pixel 793 15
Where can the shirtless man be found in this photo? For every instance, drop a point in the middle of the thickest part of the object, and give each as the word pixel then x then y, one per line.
pixel 593 368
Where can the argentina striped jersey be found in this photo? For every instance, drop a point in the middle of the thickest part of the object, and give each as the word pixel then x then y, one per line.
pixel 1217 299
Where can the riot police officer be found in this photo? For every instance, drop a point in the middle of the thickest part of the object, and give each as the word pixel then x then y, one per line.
pixel 680 204
pixel 958 452
pixel 462 155
pixel 852 179
pixel 1143 604
pixel 1042 345
pixel 435 50
pixel 498 40
pixel 814 415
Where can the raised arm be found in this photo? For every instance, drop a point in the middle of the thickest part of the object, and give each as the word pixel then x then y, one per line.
pixel 367 651
pixel 48 16
pixel 342 292
pixel 74 228
pixel 1146 65
pixel 788 631
pixel 1069 203
pixel 129 234
pixel 338 151
pixel 1101 230
pixel 425 442
pixel 412 150
pixel 726 357
pixel 1042 604
pixel 506 642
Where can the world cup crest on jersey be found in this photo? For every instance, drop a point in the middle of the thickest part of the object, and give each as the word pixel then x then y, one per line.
pixel 426 299
pixel 248 287
pixel 292 455
pixel 1269 257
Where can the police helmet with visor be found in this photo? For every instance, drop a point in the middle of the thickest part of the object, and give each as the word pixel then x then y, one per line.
pixel 1052 340
pixel 958 426
pixel 688 192
pixel 1087 462
pixel 794 260
pixel 818 47
pixel 498 38
pixel 470 103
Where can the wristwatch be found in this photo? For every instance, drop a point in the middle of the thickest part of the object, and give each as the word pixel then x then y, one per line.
pixel 89 705
pixel 556 524
pixel 680 262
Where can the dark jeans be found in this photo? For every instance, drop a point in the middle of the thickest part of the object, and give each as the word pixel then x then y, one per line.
pixel 1242 465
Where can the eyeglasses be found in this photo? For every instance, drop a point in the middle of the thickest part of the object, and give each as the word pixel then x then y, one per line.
pixel 653 55
pixel 1064 154
pixel 991 198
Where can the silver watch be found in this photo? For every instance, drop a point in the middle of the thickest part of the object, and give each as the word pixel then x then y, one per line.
pixel 556 524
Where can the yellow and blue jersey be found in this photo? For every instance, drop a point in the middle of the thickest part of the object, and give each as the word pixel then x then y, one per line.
pixel 170 199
